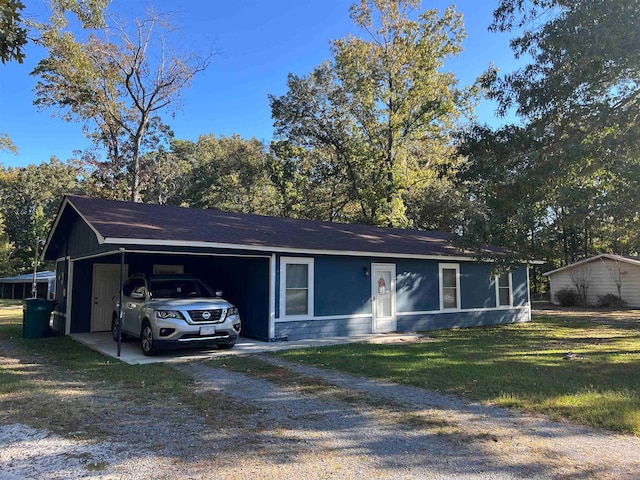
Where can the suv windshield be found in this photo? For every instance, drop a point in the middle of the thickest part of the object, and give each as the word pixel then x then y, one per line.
pixel 177 288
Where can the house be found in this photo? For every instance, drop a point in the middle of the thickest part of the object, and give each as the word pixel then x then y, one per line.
pixel 598 276
pixel 291 279
pixel 20 286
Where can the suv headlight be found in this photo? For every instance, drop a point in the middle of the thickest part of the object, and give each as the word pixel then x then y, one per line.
pixel 168 314
pixel 232 311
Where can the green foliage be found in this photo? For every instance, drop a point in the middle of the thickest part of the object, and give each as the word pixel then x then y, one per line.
pixel 116 81
pixel 7 144
pixel 229 173
pixel 30 199
pixel 562 185
pixel 13 34
pixel 610 300
pixel 568 297
pixel 371 129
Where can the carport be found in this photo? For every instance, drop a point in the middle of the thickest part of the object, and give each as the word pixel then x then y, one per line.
pixel 243 279
pixel 87 242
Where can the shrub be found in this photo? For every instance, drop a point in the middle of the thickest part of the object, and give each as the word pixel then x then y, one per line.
pixel 610 300
pixel 567 297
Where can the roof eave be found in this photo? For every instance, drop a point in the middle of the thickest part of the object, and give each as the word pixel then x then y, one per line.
pixel 278 249
pixel 616 258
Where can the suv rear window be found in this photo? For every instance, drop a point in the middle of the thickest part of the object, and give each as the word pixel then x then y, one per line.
pixel 179 289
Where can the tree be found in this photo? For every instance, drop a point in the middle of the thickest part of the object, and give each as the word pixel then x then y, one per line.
pixel 7 144
pixel 231 174
pixel 117 82
pixel 380 115
pixel 562 182
pixel 8 260
pixel 30 199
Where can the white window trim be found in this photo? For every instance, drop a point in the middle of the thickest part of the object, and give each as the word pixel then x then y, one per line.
pixel 449 266
pixel 284 261
pixel 497 281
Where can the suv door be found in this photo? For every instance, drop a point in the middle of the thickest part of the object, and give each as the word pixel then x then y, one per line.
pixel 134 294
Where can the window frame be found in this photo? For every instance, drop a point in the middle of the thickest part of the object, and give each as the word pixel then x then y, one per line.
pixel 498 287
pixel 441 268
pixel 284 261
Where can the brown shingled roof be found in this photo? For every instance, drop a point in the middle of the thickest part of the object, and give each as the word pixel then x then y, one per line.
pixel 137 223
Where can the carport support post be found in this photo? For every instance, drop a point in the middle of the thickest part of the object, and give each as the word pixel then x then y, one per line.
pixel 120 309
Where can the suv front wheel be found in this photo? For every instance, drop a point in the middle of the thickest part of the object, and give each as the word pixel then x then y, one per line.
pixel 146 339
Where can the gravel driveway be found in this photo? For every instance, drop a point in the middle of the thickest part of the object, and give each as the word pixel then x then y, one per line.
pixel 350 428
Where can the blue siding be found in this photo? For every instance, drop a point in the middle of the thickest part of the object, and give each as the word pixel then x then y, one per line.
pixel 520 287
pixel 82 294
pixel 437 321
pixel 341 287
pixel 82 241
pixel 477 287
pixel 417 286
pixel 299 330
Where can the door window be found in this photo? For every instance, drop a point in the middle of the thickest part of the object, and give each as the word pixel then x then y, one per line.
pixel 383 298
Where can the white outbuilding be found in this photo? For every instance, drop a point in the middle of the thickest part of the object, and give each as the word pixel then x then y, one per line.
pixel 597 276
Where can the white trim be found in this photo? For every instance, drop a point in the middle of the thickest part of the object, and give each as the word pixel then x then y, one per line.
pixel 168 252
pixel 98 255
pixel 449 266
pixel 284 261
pixel 326 317
pixel 528 294
pixel 496 279
pixel 296 251
pixel 272 296
pixel 203 254
pixel 67 325
pixel 461 310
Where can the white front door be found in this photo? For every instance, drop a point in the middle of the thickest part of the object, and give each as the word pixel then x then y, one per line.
pixel 383 297
pixel 106 286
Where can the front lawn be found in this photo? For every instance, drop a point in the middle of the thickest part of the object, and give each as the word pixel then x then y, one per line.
pixel 576 365
pixel 61 385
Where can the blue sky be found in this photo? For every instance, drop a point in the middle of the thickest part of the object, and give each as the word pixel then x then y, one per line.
pixel 260 43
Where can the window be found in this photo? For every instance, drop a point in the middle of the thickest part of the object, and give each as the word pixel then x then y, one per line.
pixel 503 290
pixel 296 287
pixel 449 286
pixel 133 285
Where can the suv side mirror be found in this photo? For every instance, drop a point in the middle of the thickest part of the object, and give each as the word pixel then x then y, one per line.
pixel 218 293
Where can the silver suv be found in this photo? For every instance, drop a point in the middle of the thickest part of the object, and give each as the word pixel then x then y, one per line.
pixel 174 311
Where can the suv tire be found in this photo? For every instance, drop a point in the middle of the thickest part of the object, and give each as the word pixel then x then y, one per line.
pixel 114 329
pixel 147 342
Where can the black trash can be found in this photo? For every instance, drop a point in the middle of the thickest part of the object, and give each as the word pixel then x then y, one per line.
pixel 36 313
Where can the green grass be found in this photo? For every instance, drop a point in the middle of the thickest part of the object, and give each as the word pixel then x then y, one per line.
pixel 61 385
pixel 523 366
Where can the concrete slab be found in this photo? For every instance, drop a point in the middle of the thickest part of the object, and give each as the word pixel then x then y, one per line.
pixel 131 352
